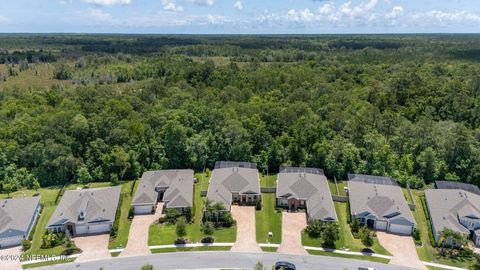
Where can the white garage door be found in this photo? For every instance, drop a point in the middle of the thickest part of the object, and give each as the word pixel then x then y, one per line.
pixel 381 225
pixel 400 229
pixel 81 229
pixel 10 241
pixel 143 209
pixel 99 228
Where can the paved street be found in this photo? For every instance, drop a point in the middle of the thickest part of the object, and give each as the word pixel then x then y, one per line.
pixel 216 260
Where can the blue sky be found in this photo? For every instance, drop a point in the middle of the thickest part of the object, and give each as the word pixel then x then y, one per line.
pixel 240 16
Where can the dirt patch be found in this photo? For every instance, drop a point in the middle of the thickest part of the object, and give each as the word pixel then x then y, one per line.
pixel 10 265
pixel 402 249
pixel 138 236
pixel 94 247
pixel 292 227
pixel 246 237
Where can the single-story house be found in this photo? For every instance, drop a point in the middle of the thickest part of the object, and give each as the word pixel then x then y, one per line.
pixel 174 187
pixel 86 211
pixel 234 182
pixel 455 209
pixel 17 218
pixel 305 188
pixel 379 203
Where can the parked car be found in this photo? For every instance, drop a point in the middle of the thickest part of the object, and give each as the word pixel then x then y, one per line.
pixel 285 266
pixel 366 268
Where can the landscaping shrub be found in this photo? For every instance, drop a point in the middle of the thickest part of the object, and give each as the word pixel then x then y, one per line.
pixel 181 229
pixel 147 267
pixel 188 214
pixel 330 234
pixel 51 239
pixel 258 206
pixel 26 245
pixel 116 223
pixel 207 240
pixel 355 226
pixel 171 215
pixel 314 229
pixel 180 241
pixel 416 237
pixel 365 236
pixel 228 220
pixel 208 228
pixel 71 248
pixel 131 213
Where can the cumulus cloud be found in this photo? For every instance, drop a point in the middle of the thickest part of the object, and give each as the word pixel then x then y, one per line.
pixel 204 2
pixel 238 5
pixel 447 17
pixel 98 15
pixel 107 2
pixel 171 5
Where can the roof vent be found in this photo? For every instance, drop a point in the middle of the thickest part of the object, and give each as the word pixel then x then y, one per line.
pixel 81 215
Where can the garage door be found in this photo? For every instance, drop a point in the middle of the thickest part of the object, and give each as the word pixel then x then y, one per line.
pixel 99 228
pixel 10 241
pixel 381 225
pixel 400 229
pixel 143 209
pixel 81 229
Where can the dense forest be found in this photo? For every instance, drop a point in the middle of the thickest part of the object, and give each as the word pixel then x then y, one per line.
pixel 108 107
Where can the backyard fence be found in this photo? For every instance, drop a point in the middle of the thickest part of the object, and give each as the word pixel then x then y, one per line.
pixel 337 198
pixel 268 189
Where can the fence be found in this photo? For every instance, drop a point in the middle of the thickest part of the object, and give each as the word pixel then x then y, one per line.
pixel 337 198
pixel 203 193
pixel 268 190
pixel 411 205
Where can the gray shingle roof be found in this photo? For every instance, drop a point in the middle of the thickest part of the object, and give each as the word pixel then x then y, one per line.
pixel 380 197
pixel 448 205
pixel 178 184
pixel 457 185
pixel 225 181
pixel 313 188
pixel 16 215
pixel 97 204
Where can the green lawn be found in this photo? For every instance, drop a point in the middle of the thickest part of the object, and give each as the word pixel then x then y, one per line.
pixel 165 234
pixel 346 241
pixel 270 181
pixel 269 249
pixel 124 226
pixel 205 248
pixel 268 220
pixel 357 257
pixel 427 252
pixel 90 185
pixel 48 195
pixel 35 265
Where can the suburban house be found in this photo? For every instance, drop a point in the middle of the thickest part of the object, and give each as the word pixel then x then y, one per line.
pixel 379 203
pixel 174 187
pixel 305 188
pixel 234 182
pixel 86 211
pixel 457 209
pixel 17 218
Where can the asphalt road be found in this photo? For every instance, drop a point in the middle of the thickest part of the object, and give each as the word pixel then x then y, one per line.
pixel 221 260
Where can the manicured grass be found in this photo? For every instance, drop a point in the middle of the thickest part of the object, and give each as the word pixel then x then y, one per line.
pixel 269 249
pixel 90 185
pixel 162 234
pixel 268 220
pixel 346 239
pixel 48 195
pixel 205 248
pixel 115 254
pixel 270 181
pixel 357 257
pixel 427 252
pixel 41 264
pixel 124 225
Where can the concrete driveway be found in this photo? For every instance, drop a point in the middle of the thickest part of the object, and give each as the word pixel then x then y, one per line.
pixel 246 237
pixel 402 249
pixel 138 236
pixel 292 227
pixel 10 264
pixel 94 247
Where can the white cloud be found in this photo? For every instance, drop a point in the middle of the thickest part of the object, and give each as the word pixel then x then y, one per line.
pixel 204 2
pixel 238 5
pixel 396 12
pixel 98 15
pixel 171 5
pixel 107 2
pixel 3 19
pixel 447 17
